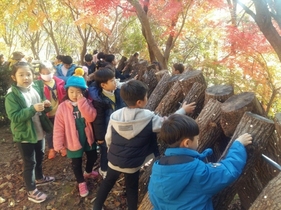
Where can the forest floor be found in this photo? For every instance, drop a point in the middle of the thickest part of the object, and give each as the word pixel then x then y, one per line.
pixel 63 194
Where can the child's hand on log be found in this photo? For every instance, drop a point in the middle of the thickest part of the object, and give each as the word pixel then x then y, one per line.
pixel 245 139
pixel 189 108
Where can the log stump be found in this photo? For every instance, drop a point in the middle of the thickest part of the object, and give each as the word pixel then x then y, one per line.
pixel 269 198
pixel 160 74
pixel 150 79
pixel 209 125
pixel 196 94
pixel 261 129
pixel 234 108
pixel 139 69
pixel 219 92
pixel 158 93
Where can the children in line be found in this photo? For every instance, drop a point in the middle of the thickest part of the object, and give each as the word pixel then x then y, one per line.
pixel 106 99
pixel 26 107
pixel 130 138
pixel 73 130
pixel 54 91
pixel 181 179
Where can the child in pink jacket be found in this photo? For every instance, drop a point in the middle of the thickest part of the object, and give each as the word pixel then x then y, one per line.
pixel 73 131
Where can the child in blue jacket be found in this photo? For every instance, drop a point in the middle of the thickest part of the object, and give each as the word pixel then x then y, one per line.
pixel 180 179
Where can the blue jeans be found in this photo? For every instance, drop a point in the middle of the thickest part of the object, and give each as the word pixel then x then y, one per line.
pixel 32 156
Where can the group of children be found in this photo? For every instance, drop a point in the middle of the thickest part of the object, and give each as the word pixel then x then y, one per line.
pixel 76 118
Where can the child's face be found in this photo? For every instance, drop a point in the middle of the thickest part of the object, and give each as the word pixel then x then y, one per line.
pixel 174 71
pixel 73 93
pixel 110 85
pixel 23 77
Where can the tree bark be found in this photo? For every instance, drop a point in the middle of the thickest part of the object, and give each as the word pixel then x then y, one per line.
pixel 150 79
pixel 160 74
pixel 158 93
pixel 139 69
pixel 196 94
pixel 145 203
pixel 234 108
pixel 260 128
pixel 122 63
pixel 209 125
pixel 219 92
pixel 269 198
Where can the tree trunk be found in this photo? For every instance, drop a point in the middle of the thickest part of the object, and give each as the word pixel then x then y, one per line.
pixel 139 69
pixel 234 108
pixel 260 128
pixel 145 203
pixel 158 93
pixel 209 125
pixel 269 198
pixel 150 79
pixel 196 94
pixel 219 92
pixel 122 63
pixel 160 74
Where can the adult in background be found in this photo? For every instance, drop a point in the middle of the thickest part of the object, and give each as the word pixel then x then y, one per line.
pixel 66 69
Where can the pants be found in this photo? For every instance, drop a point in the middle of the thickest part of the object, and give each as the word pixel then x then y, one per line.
pixel 103 156
pixel 32 155
pixel 49 136
pixel 131 182
pixel 77 165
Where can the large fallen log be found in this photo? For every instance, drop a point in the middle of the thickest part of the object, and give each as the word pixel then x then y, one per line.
pixel 269 198
pixel 158 93
pixel 219 92
pixel 234 108
pixel 150 79
pixel 260 128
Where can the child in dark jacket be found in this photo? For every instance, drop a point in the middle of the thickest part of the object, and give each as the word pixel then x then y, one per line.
pixel 106 99
pixel 131 140
pixel 180 179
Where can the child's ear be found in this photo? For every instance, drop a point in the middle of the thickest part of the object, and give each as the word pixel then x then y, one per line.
pixel 102 85
pixel 185 143
pixel 13 78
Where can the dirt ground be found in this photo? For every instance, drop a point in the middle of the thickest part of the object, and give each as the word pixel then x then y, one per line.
pixel 63 194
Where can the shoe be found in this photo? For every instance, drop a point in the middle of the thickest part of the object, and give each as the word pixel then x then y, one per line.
pixel 83 189
pixel 44 180
pixel 102 173
pixel 51 154
pixel 91 175
pixel 36 196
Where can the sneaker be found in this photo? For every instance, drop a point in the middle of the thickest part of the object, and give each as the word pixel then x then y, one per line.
pixel 51 154
pixel 36 196
pixel 91 175
pixel 102 173
pixel 44 180
pixel 83 189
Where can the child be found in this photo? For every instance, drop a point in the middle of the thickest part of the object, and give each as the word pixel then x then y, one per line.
pixel 180 179
pixel 131 140
pixel 106 99
pixel 26 106
pixel 73 130
pixel 54 91
pixel 66 69
pixel 178 68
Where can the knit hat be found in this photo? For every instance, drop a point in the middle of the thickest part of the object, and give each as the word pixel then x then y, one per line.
pixel 77 80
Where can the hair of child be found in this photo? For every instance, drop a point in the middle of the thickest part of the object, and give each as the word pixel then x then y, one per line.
pixel 132 91
pixel 109 58
pixel 45 64
pixel 176 128
pixel 102 76
pixel 100 55
pixel 67 60
pixel 21 64
pixel 88 57
pixel 179 67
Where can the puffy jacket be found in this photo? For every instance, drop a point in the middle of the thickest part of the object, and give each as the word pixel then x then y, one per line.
pixel 69 73
pixel 60 89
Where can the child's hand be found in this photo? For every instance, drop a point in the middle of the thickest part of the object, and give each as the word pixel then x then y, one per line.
pixel 189 108
pixel 47 103
pixel 245 139
pixel 80 96
pixel 63 152
pixel 39 107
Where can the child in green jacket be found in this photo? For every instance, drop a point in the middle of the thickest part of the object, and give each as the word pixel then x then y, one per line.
pixel 26 107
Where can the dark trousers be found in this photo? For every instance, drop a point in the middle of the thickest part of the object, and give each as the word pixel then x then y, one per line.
pixel 103 156
pixel 32 155
pixel 131 182
pixel 49 136
pixel 77 165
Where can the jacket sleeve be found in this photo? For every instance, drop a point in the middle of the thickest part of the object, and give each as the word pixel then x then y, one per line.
pixel 87 110
pixel 108 135
pixel 15 112
pixel 59 130
pixel 217 176
pixel 157 123
pixel 100 122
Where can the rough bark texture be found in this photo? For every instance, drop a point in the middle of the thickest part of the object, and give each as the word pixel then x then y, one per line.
pixel 160 74
pixel 158 93
pixel 170 103
pixel 234 108
pixel 122 63
pixel 219 92
pixel 145 204
pixel 196 94
pixel 269 198
pixel 209 125
pixel 261 129
pixel 150 79
pixel 139 69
